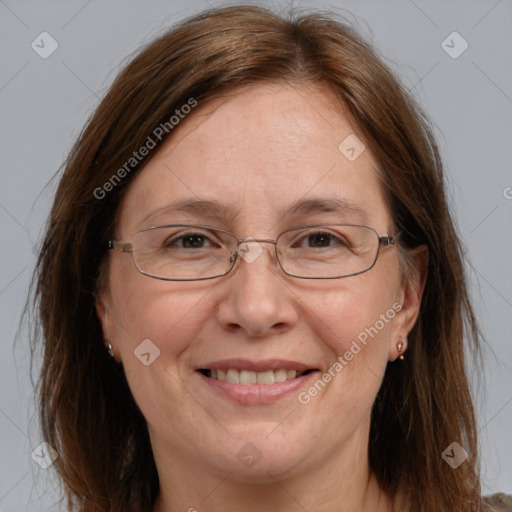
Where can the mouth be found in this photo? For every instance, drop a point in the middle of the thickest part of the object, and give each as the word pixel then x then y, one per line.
pixel 248 378
pixel 250 382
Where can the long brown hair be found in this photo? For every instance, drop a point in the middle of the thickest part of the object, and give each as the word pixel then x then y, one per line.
pixel 87 411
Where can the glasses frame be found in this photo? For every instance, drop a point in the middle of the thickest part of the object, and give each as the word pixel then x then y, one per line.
pixel 127 247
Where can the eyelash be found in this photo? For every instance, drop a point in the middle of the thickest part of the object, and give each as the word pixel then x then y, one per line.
pixel 174 240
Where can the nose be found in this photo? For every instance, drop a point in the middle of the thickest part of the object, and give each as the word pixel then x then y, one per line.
pixel 257 300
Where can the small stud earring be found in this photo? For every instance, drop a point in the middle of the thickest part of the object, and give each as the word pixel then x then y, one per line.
pixel 401 347
pixel 110 349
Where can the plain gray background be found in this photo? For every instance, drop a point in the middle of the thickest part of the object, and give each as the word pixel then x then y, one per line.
pixel 45 103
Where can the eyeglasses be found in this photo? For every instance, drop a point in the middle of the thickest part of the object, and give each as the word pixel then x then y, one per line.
pixel 184 252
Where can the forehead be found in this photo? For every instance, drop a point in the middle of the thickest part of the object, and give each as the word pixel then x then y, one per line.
pixel 257 151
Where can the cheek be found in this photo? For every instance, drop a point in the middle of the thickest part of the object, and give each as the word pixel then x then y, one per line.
pixel 354 324
pixel 356 311
pixel 169 314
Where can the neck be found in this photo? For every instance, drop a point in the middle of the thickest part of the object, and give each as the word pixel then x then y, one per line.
pixel 343 483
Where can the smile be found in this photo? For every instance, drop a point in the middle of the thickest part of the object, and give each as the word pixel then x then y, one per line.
pixel 249 382
pixel 248 378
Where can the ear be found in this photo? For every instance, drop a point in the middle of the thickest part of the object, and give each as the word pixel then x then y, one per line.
pixel 107 323
pixel 409 296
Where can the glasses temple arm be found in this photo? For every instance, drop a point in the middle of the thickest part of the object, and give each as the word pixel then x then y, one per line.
pixel 389 239
pixel 120 246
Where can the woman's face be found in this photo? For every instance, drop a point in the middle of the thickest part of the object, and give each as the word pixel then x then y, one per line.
pixel 255 153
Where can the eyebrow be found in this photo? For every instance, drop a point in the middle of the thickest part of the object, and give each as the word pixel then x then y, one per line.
pixel 301 207
pixel 324 205
pixel 207 208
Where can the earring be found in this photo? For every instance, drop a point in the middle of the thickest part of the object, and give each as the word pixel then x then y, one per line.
pixel 401 347
pixel 110 348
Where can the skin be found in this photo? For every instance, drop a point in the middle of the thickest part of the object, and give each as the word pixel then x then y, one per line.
pixel 257 150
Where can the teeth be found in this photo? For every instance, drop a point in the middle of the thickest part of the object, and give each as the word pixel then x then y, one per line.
pixel 247 377
pixel 233 377
pixel 291 374
pixel 265 377
pixel 280 375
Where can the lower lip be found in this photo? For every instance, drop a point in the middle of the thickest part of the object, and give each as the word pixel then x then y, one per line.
pixel 257 393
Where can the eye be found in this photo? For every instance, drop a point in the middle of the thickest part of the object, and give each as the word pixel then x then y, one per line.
pixel 321 239
pixel 187 241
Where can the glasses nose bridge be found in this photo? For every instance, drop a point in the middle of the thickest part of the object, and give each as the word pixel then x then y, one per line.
pixel 248 255
pixel 250 239
pixel 257 240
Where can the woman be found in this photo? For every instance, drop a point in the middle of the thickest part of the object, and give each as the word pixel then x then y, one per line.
pixel 251 292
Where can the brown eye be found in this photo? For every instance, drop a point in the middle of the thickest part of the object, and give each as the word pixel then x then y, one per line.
pixel 187 241
pixel 321 239
pixel 192 241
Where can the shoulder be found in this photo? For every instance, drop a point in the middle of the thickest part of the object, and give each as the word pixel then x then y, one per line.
pixel 497 503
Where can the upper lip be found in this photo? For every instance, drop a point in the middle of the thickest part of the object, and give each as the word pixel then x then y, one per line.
pixel 255 366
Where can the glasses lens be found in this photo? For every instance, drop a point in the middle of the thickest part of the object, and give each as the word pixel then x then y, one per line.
pixel 183 252
pixel 328 251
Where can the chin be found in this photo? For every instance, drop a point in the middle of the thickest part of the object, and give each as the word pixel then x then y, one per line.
pixel 260 457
